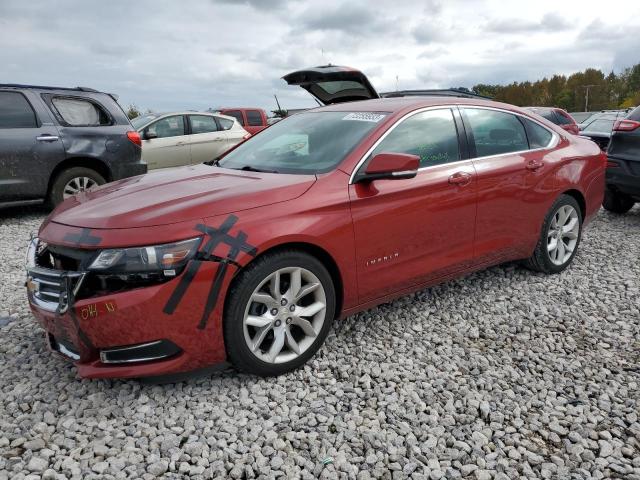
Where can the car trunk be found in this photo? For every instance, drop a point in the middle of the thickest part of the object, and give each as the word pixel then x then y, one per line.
pixel 331 84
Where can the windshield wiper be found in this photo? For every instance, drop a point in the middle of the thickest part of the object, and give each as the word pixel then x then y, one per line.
pixel 249 168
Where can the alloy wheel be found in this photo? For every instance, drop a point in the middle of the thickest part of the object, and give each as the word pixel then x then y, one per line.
pixel 562 236
pixel 77 185
pixel 284 315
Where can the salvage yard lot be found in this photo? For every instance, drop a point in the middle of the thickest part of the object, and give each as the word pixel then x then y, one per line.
pixel 500 374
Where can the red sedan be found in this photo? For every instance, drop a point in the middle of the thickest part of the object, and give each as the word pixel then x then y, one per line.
pixel 251 258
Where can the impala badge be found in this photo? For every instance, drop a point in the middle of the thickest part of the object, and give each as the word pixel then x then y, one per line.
pixel 382 259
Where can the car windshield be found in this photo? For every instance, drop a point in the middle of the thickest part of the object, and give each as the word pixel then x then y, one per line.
pixel 601 125
pixel 305 143
pixel 142 120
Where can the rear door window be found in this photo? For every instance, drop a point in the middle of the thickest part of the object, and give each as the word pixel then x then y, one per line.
pixel 495 132
pixel 431 135
pixel 563 119
pixel 225 123
pixel 16 112
pixel 203 124
pixel 254 118
pixel 237 114
pixel 168 127
pixel 78 112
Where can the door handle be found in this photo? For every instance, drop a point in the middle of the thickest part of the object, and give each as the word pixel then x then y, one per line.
pixel 47 138
pixel 460 178
pixel 218 139
pixel 534 165
pixel 180 144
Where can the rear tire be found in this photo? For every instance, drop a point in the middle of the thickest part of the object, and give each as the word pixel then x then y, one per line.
pixel 617 202
pixel 270 330
pixel 72 179
pixel 559 238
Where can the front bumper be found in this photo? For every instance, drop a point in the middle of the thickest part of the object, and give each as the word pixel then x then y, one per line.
pixel 625 177
pixel 133 326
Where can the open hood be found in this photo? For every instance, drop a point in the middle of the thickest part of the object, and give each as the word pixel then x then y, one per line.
pixel 332 84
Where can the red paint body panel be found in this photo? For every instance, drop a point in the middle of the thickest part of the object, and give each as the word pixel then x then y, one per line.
pixel 385 238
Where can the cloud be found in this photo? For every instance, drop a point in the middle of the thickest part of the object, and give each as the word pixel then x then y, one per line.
pixel 163 55
pixel 550 22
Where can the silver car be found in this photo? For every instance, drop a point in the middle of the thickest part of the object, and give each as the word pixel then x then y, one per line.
pixel 186 138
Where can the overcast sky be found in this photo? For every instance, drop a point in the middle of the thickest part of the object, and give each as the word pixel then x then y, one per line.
pixel 165 55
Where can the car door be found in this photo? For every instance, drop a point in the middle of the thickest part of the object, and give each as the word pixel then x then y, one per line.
pixel 207 139
pixel 30 148
pixel 511 176
pixel 414 231
pixel 165 143
pixel 234 132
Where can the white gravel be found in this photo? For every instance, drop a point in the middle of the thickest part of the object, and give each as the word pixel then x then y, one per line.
pixel 504 374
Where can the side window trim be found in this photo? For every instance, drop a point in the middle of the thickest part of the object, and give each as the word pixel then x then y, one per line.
pixel 363 159
pixel 552 143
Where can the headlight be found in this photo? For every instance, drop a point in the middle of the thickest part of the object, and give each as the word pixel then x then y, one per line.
pixel 168 258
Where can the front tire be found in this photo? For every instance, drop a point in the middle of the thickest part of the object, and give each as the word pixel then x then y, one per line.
pixel 278 312
pixel 71 181
pixel 559 238
pixel 616 202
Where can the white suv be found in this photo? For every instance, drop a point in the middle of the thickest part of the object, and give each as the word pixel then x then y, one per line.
pixel 186 138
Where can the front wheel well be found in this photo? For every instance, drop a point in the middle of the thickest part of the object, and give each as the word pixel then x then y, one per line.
pixel 319 253
pixel 577 195
pixel 87 162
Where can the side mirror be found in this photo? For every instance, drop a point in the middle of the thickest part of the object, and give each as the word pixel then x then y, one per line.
pixel 147 135
pixel 392 166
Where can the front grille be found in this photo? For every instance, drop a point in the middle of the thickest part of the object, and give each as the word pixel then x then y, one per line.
pixel 49 288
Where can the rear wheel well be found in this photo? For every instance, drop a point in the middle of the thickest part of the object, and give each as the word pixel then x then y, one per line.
pixel 320 254
pixel 577 195
pixel 86 162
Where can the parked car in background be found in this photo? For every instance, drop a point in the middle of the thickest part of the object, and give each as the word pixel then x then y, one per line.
pixel 557 116
pixel 251 119
pixel 598 127
pixel 186 138
pixel 326 213
pixel 56 142
pixel 580 117
pixel 623 165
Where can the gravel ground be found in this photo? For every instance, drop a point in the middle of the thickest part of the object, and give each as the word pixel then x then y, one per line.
pixel 504 374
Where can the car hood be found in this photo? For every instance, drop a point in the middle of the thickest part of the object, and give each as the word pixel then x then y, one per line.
pixel 177 194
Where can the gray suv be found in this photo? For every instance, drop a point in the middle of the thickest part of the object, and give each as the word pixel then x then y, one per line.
pixel 56 142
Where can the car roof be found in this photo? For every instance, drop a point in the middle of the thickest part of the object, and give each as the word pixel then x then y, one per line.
pixel 401 104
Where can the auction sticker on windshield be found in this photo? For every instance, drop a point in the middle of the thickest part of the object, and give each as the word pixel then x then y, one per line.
pixel 364 117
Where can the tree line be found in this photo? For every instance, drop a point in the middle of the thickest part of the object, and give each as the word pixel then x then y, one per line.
pixel 604 92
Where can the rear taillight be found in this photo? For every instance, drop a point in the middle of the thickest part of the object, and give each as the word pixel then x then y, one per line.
pixel 134 137
pixel 625 125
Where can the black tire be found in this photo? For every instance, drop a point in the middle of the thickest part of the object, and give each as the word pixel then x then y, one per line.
pixel 541 261
pixel 55 196
pixel 617 202
pixel 239 295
